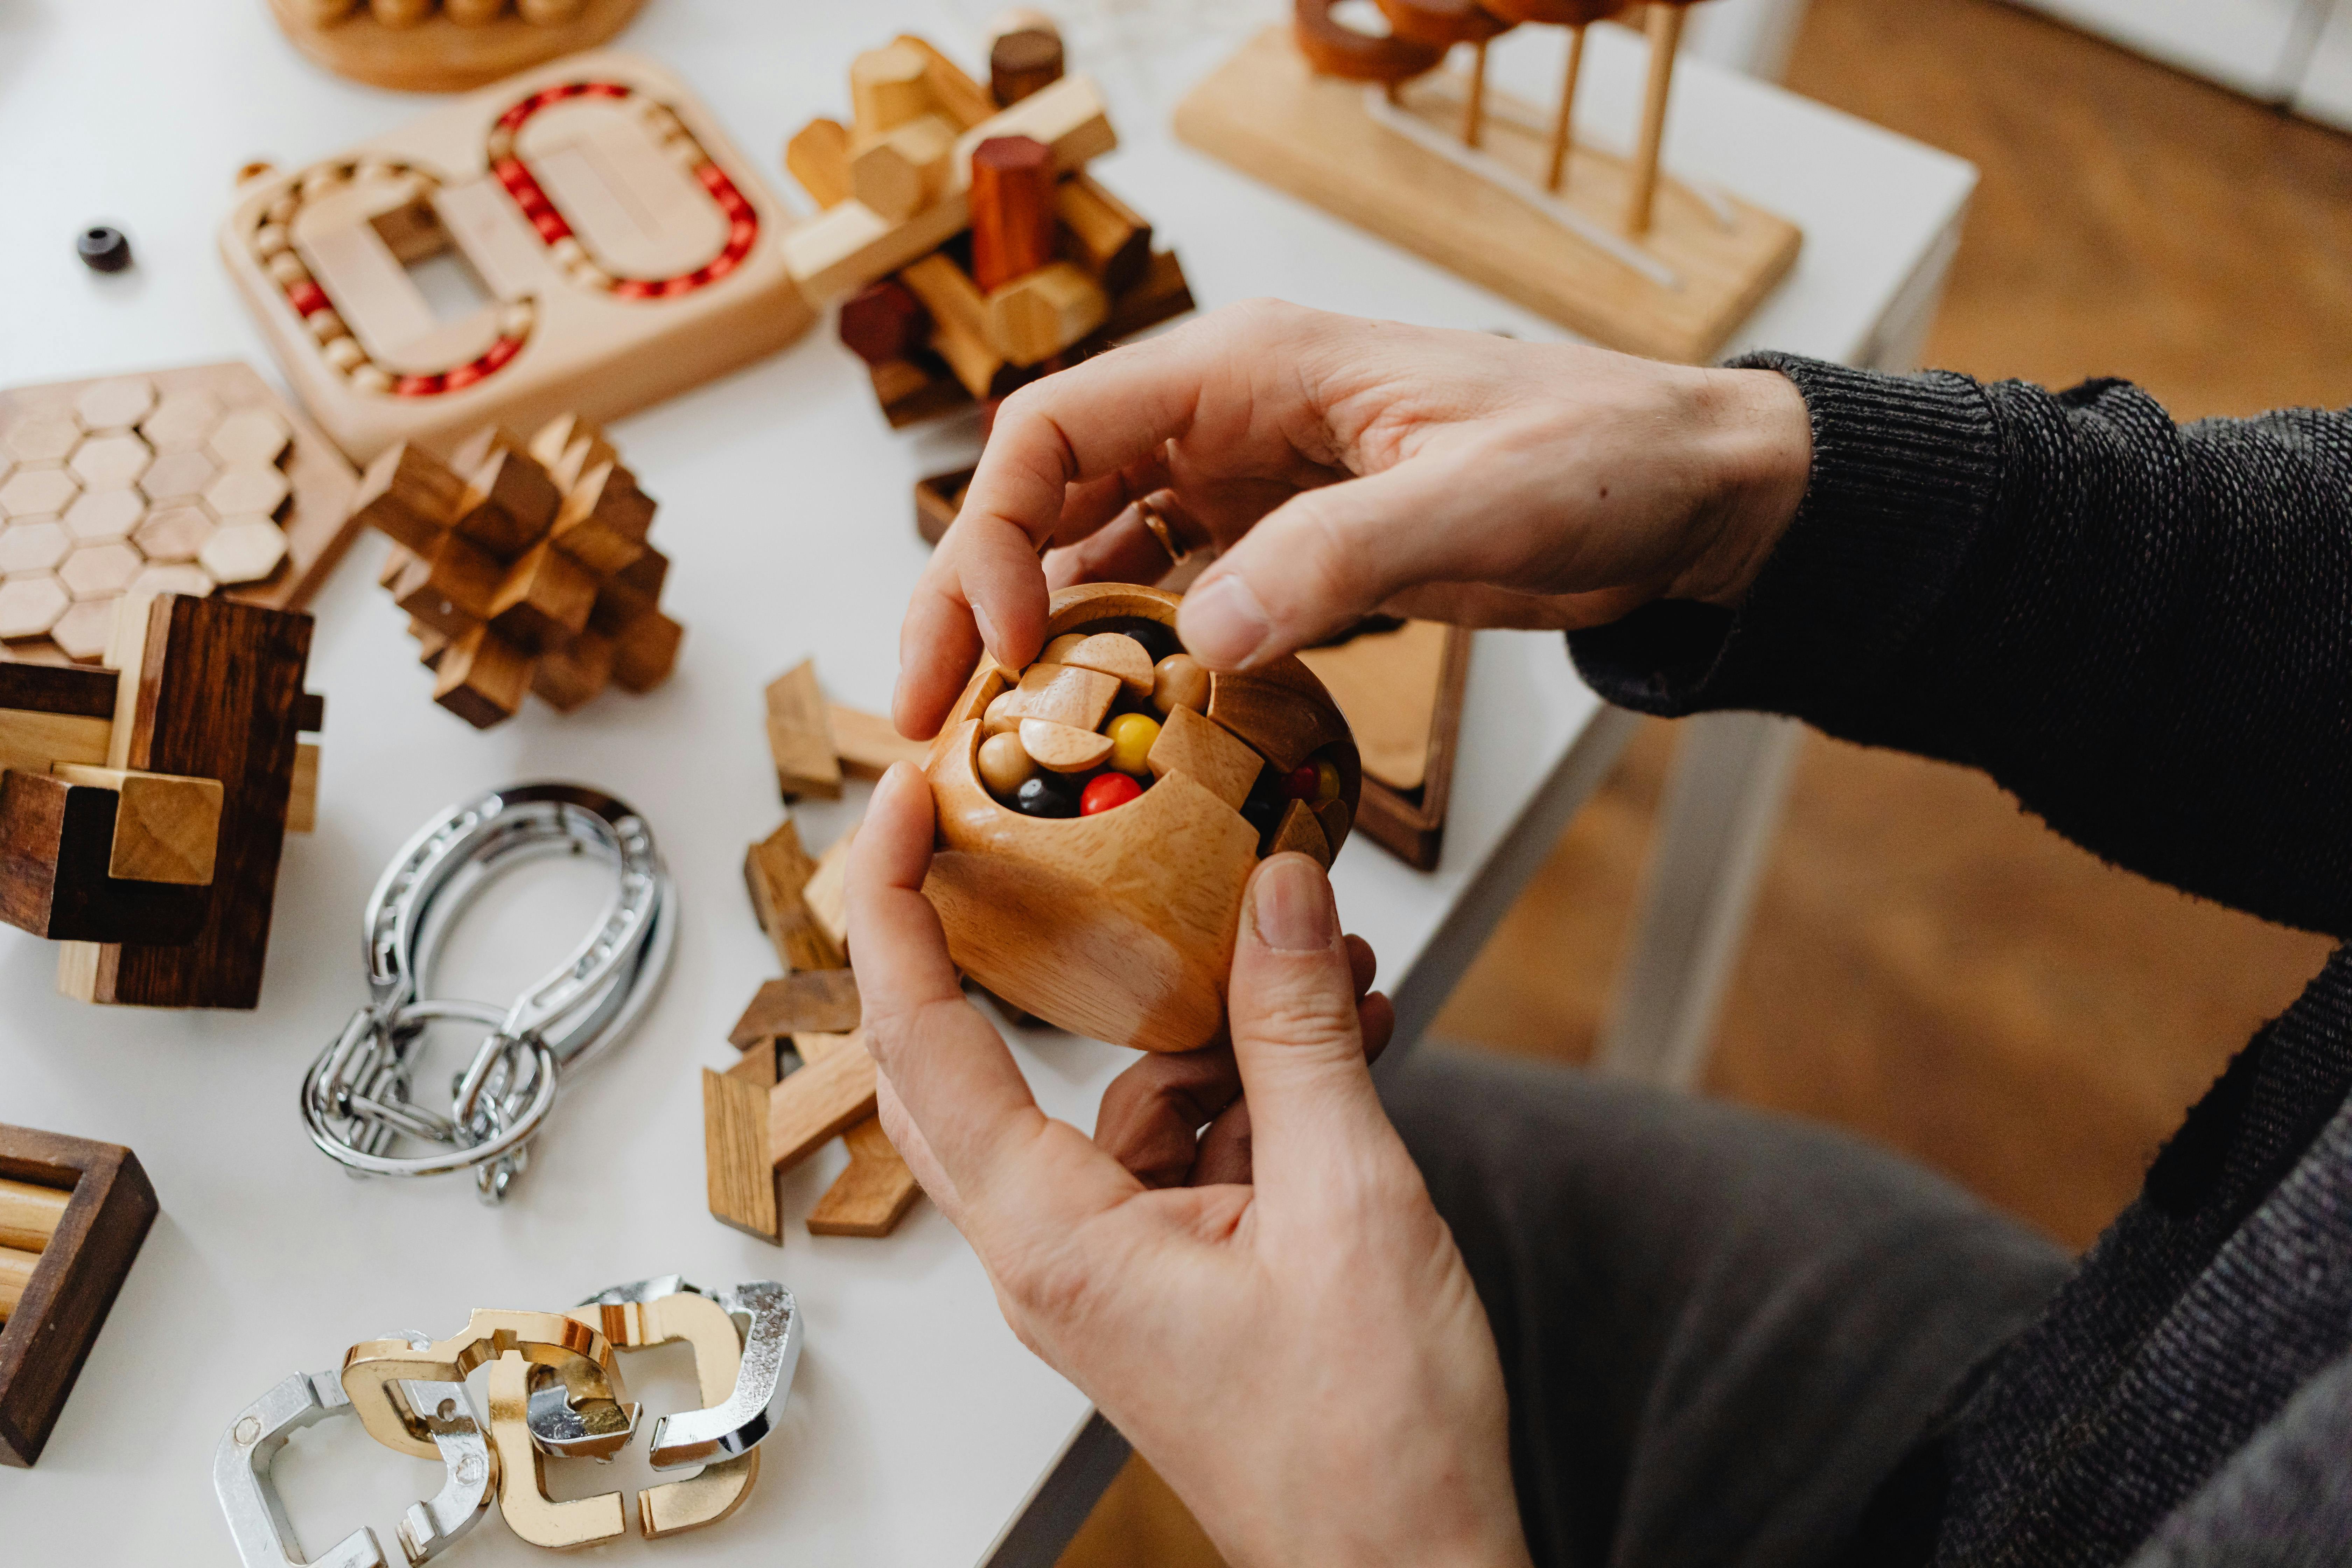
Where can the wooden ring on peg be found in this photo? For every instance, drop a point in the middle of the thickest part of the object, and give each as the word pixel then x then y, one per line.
pixel 1441 24
pixel 1560 13
pixel 1341 51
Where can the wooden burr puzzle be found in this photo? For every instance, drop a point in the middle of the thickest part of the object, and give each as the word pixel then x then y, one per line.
pixel 186 481
pixel 523 566
pixel 72 1216
pixel 444 46
pixel 1372 129
pixel 619 248
pixel 969 249
pixel 803 1078
pixel 143 807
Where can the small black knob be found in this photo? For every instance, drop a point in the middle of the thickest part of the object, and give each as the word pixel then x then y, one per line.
pixel 103 250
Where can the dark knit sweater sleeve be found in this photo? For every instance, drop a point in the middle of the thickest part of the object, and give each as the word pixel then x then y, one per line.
pixel 2144 630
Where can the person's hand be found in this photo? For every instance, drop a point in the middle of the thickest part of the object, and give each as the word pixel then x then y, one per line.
pixel 1344 465
pixel 1304 1359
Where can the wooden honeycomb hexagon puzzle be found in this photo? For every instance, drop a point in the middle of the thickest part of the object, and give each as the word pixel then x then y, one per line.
pixel 523 567
pixel 183 481
pixel 969 249
pixel 618 250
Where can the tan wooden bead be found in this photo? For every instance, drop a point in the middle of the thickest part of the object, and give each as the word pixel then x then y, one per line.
pixel 1179 681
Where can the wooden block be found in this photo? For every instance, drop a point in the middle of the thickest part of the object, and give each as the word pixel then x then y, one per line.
pixel 937 499
pixel 817 1104
pixel 303 803
pixel 1160 295
pixel 1042 312
pixel 905 170
pixel 759 1066
pixel 1208 754
pixel 740 1178
pixel 1299 831
pixel 483 444
pixel 1678 293
pixel 60 689
pixel 978 369
pixel 868 743
pixel 629 593
pixel 30 741
pixel 29 1215
pixel 955 94
pixel 645 651
pixel 1101 233
pixel 818 157
pixel 884 321
pixel 65 1302
pixel 1112 653
pixel 800 735
pixel 568 447
pixel 826 892
pixel 1402 691
pixel 509 504
pixel 1080 699
pixel 948 293
pixel 873 1194
pixel 1063 748
pixel 913 390
pixel 1283 711
pixel 1023 61
pixel 777 871
pixel 166 829
pixel 886 89
pixel 15 1277
pixel 184 719
pixel 450 590
pixel 819 1000
pixel 543 601
pixel 1012 200
pixel 56 838
pixel 408 495
pixel 604 519
pixel 569 674
pixel 481 677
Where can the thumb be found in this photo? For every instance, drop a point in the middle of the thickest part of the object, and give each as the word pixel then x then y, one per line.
pixel 1297 1038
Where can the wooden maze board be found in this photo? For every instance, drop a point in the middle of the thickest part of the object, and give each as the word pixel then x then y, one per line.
pixel 625 249
pixel 184 481
pixel 435 54
pixel 1706 263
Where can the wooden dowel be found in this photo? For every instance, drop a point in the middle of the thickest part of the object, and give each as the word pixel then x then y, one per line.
pixel 1474 108
pixel 16 1274
pixel 29 1215
pixel 1563 120
pixel 1666 28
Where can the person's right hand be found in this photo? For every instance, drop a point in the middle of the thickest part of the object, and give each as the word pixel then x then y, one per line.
pixel 1344 465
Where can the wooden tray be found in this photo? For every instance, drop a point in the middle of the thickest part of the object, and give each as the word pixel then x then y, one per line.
pixel 1401 693
pixel 437 55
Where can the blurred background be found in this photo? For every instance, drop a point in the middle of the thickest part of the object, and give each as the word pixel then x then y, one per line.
pixel 2163 198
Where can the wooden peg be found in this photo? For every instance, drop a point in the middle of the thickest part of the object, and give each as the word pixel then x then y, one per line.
pixel 574 671
pixel 868 743
pixel 818 157
pixel 1043 312
pixel 826 891
pixel 800 735
pixel 567 447
pixel 1101 233
pixel 905 169
pixel 543 600
pixel 1563 118
pixel 603 520
pixel 1473 102
pixel 409 495
pixel 644 650
pixel 481 677
pixel 302 802
pixel 1022 61
pixel 886 89
pixel 777 871
pixel 1012 198
pixel 959 98
pixel 884 321
pixel 1665 30
pixel 166 828
pixel 56 840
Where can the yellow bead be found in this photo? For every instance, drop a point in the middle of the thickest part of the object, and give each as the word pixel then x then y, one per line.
pixel 1131 735
pixel 1327 781
pixel 1004 765
pixel 1179 681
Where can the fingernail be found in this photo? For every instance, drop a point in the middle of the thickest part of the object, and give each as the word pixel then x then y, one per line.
pixel 987 628
pixel 1292 907
pixel 1223 623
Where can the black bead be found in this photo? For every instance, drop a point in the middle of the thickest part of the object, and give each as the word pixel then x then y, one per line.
pixel 1045 794
pixel 1264 808
pixel 1158 641
pixel 103 250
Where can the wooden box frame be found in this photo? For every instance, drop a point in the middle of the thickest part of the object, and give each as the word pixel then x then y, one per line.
pixel 45 1343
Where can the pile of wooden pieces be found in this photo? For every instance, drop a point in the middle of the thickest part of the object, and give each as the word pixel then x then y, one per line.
pixel 143 808
pixel 180 481
pixel 523 566
pixel 969 249
pixel 73 1215
pixel 803 1078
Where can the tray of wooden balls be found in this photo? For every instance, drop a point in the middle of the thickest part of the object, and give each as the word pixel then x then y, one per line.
pixel 1101 809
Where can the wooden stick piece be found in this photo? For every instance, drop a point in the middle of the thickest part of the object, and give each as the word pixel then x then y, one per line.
pixel 29 1213
pixel 873 1194
pixel 1474 105
pixel 1665 30
pixel 800 738
pixel 15 1275
pixel 1563 132
pixel 868 743
pixel 1013 219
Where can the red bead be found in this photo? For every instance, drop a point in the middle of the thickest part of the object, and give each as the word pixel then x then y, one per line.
pixel 498 353
pixel 1300 784
pixel 463 376
pixel 635 289
pixel 1107 791
pixel 307 297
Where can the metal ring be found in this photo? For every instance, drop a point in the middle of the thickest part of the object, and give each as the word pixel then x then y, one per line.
pixel 1157 526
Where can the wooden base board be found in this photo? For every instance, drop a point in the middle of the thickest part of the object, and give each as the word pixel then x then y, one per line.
pixel 1401 693
pixel 315 516
pixel 437 55
pixel 1264 112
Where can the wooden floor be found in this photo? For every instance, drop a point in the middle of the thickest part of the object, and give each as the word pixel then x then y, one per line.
pixel 1929 966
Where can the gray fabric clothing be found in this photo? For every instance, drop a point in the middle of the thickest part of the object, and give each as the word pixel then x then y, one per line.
pixel 1721 1330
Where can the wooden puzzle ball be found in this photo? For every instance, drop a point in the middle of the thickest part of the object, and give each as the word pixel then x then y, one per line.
pixel 1099 814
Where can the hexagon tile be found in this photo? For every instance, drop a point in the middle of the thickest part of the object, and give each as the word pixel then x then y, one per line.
pixel 173 482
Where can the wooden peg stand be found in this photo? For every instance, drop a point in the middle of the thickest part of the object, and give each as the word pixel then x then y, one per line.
pixel 1675 287
pixel 72 1216
pixel 971 250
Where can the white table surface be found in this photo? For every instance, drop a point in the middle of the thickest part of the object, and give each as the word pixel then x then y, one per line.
pixel 918 1426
